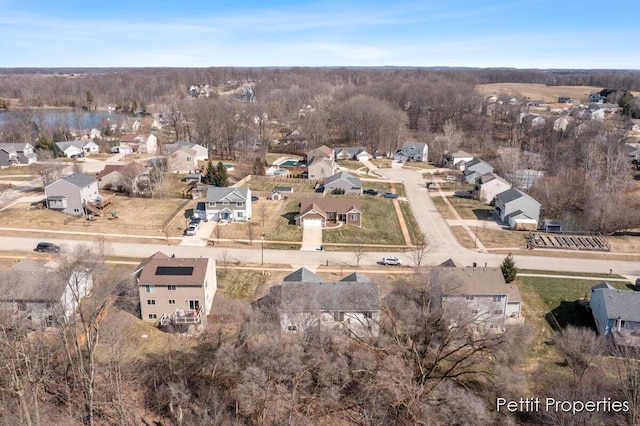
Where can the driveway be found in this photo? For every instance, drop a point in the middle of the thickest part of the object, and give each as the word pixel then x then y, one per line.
pixel 311 238
pixel 201 239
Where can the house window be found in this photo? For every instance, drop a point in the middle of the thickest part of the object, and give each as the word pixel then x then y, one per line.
pixel 212 204
pixel 475 311
pixel 171 288
pixel 368 315
pixel 172 301
pixel 49 321
pixel 292 328
pixel 76 210
pixel 353 217
pixel 338 316
pixel 239 204
pixel 498 312
pixel 469 297
pixel 149 288
pixel 497 298
pixel 189 159
pixel 151 301
pixel 153 316
pixel 239 214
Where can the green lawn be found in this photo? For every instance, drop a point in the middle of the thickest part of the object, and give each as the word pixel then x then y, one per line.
pixel 559 295
pixel 412 225
pixel 602 276
pixel 283 228
pixel 255 185
pixel 380 225
pixel 240 284
pixel 351 164
pixel 471 209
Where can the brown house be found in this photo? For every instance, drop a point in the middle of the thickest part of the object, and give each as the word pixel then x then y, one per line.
pixel 327 211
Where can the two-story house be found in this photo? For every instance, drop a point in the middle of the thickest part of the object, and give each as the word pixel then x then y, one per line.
pixel 145 143
pixel 412 151
pixel 12 154
pixel 475 168
pixel 305 302
pixel 72 193
pixel 226 204
pixel 488 186
pixel 321 163
pixel 456 159
pixel 476 297
pixel 202 153
pixel 518 209
pixel 176 290
pixel 616 313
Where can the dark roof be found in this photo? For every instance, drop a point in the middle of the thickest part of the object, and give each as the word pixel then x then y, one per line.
pixel 79 179
pixel 449 263
pixel 30 280
pixel 302 275
pixel 354 181
pixel 217 194
pixel 624 304
pixel 325 205
pixel 474 281
pixel 160 270
pixel 512 194
pixel 356 277
pixel 330 297
pixel 603 284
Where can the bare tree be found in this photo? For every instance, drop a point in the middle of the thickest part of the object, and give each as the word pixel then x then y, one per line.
pixel 420 250
pixel 580 347
pixel 251 232
pixel 49 172
pixel 359 252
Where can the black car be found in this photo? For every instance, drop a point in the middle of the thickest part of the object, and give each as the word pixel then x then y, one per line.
pixel 390 195
pixel 370 192
pixel 47 248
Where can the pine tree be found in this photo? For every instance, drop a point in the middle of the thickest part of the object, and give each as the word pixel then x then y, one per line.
pixel 221 177
pixel 209 175
pixel 509 268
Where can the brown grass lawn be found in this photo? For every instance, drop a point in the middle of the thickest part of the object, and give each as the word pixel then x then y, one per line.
pixel 471 209
pixel 443 207
pixel 382 163
pixel 19 170
pixel 137 216
pixel 537 91
pixel 494 238
pixel 254 185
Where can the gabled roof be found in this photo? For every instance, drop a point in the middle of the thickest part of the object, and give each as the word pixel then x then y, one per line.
pixel 320 152
pixel 108 169
pixel 468 281
pixel 232 195
pixel 418 146
pixel 513 194
pixel 63 146
pixel 458 154
pixel 302 275
pixel 14 146
pixel 77 179
pixel 171 147
pixel 488 177
pixel 450 263
pixel 362 296
pixel 603 284
pixel 329 205
pixel 30 280
pixel 352 151
pixel 133 170
pixel 346 176
pixel 623 304
pixel 356 277
pixel 161 270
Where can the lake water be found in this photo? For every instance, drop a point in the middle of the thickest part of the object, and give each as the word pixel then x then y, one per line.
pixel 74 119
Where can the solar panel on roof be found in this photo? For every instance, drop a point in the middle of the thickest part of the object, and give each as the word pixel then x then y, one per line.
pixel 174 270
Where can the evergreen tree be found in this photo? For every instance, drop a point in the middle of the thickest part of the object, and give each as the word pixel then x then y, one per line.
pixel 509 268
pixel 221 177
pixel 209 175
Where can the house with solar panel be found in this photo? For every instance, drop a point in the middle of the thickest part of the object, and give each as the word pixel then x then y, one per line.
pixel 176 291
pixel 306 302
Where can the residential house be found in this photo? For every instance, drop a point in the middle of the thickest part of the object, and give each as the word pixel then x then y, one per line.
pixel 476 297
pixel 72 194
pixel 80 147
pixel 182 160
pixel 132 178
pixel 295 137
pixel 412 151
pixel 343 183
pixel 519 210
pixel 564 99
pixel 597 97
pixel 145 143
pixel 476 168
pixel 176 290
pixel 202 153
pixel 320 163
pixel 316 212
pixel 227 204
pixel 305 302
pixel 34 291
pixel 616 313
pixel 488 186
pixel 357 153
pixel 12 154
pixel 560 124
pixel 606 107
pixel 455 159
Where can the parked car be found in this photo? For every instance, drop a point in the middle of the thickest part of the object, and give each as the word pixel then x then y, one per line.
pixel 115 150
pixel 391 260
pixel 77 155
pixel 192 229
pixel 195 221
pixel 47 248
pixel 390 195
pixel 370 192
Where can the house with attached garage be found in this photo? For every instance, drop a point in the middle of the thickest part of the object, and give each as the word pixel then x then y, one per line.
pixel 329 211
pixel 176 290
pixel 132 178
pixel 77 148
pixel 343 183
pixel 305 302
pixel 145 143
pixel 455 159
pixel 72 194
pixel 181 160
pixel 202 153
pixel 476 297
pixel 34 294
pixel 521 211
pixel 320 163
pixel 13 154
pixel 616 313
pixel 412 151
pixel 226 204
pixel 488 186
pixel 357 153
pixel 476 168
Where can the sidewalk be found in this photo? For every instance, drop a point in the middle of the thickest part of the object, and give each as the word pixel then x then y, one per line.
pixel 464 225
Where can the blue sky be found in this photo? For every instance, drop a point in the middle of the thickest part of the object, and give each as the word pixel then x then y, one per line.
pixel 473 33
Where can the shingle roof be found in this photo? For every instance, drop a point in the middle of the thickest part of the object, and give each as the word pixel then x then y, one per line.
pixel 474 281
pixel 302 275
pixel 161 270
pixel 330 297
pixel 354 181
pixel 621 303
pixel 30 280
pixel 510 195
pixel 79 179
pixel 233 195
pixel 325 205
pixel 356 277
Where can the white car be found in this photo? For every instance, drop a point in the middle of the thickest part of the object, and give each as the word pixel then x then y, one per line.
pixel 390 260
pixel 192 229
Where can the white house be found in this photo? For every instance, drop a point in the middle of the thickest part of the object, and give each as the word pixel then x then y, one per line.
pixel 226 204
pixel 202 153
pixel 488 186
pixel 412 151
pixel 456 159
pixel 76 148
pixel 518 209
pixel 358 153
pixel 145 143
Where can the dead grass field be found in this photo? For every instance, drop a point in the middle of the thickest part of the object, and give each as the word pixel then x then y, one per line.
pixel 19 170
pixel 136 216
pixel 537 91
pixel 471 209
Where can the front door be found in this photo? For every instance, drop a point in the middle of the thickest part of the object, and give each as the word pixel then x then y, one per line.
pixel 194 305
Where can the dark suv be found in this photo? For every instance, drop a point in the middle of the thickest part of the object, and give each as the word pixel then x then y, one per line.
pixel 47 248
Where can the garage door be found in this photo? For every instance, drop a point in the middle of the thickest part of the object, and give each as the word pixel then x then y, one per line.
pixel 312 223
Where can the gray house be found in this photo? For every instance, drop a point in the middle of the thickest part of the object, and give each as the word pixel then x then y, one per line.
pixel 71 194
pixel 616 313
pixel 307 302
pixel 343 181
pixel 488 186
pixel 412 151
pixel 12 154
pixel 476 168
pixel 514 206
pixel 229 204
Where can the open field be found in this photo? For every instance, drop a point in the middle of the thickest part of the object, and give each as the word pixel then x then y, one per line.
pixel 19 170
pixel 537 91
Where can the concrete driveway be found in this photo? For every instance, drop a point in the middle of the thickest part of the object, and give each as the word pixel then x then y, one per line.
pixel 201 239
pixel 311 238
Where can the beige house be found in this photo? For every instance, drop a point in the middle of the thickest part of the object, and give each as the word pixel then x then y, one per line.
pixel 321 163
pixel 488 186
pixel 183 160
pixel 145 143
pixel 132 178
pixel 176 290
